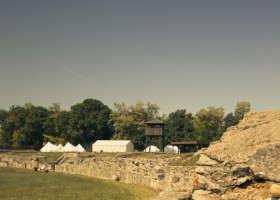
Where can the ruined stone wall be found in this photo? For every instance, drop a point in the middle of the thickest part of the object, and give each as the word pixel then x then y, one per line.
pixel 16 162
pixel 155 173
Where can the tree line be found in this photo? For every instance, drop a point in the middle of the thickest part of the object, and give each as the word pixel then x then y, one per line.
pixel 30 126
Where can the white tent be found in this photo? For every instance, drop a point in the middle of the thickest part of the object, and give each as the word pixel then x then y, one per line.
pixel 49 147
pixel 112 146
pixel 151 148
pixel 59 148
pixel 171 149
pixel 79 148
pixel 69 148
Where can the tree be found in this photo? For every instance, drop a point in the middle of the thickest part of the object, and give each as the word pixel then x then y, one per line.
pixel 88 122
pixel 34 125
pixel 5 139
pixel 230 120
pixel 12 121
pixel 31 133
pixel 209 123
pixel 241 109
pixel 129 121
pixel 57 124
pixel 23 127
pixel 179 126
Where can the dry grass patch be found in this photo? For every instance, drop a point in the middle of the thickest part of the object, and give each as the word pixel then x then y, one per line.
pixel 29 185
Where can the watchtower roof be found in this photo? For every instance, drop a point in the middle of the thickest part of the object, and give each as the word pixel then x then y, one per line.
pixel 154 122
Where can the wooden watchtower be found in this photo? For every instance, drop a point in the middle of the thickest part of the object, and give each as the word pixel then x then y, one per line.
pixel 155 128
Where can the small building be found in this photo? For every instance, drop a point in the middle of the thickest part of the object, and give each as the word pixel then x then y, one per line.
pixel 112 146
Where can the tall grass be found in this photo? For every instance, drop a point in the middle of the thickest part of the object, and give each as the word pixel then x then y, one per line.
pixel 29 185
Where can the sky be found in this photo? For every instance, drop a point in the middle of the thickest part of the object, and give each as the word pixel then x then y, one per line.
pixel 178 54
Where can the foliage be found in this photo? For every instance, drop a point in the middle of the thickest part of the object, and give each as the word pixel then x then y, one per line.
pixel 30 126
pixel 129 121
pixel 88 122
pixel 53 140
pixel 241 109
pixel 23 126
pixel 29 185
pixel 230 120
pixel 209 123
pixel 179 126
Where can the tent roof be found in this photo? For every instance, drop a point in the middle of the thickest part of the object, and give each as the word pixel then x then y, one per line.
pixel 49 147
pixel 153 148
pixel 59 147
pixel 111 142
pixel 80 148
pixel 69 147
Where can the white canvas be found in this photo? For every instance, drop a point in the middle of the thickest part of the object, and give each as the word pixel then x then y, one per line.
pixel 79 148
pixel 171 149
pixel 112 146
pixel 69 148
pixel 49 147
pixel 59 148
pixel 151 148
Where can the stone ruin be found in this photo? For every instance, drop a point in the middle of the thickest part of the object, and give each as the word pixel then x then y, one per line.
pixel 247 154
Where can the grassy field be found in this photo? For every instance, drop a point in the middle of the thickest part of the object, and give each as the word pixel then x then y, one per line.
pixel 25 184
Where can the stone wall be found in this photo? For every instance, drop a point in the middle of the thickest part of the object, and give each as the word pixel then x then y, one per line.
pixel 17 162
pixel 155 173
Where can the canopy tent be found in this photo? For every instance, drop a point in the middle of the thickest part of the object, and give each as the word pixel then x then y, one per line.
pixel 49 147
pixel 151 148
pixel 69 148
pixel 79 148
pixel 171 149
pixel 112 146
pixel 59 148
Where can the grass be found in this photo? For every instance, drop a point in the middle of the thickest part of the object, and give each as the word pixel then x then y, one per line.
pixel 29 185
pixel 43 156
pixel 186 159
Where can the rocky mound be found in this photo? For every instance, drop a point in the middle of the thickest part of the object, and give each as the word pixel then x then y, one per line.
pixel 247 153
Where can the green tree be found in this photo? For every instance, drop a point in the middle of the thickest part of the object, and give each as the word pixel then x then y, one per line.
pixel 241 109
pixel 209 123
pixel 230 120
pixel 179 126
pixel 5 138
pixel 31 133
pixel 88 122
pixel 56 124
pixel 129 121
pixel 13 121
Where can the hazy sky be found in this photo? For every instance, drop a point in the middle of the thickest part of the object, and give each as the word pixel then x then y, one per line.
pixel 178 54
